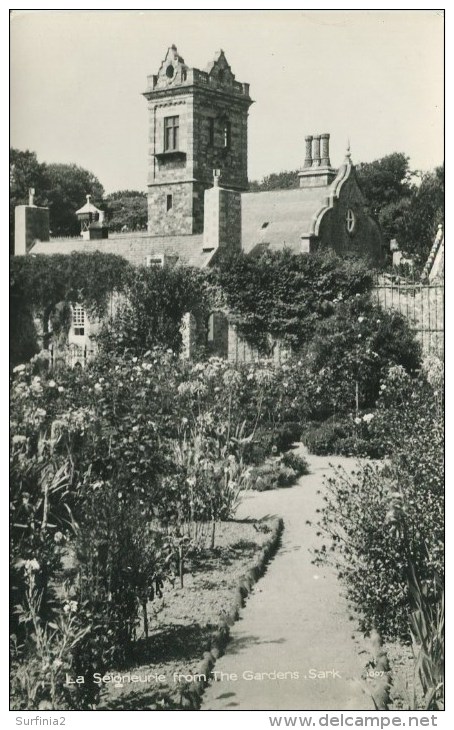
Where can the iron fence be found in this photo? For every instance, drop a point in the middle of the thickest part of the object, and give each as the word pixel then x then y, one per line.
pixel 421 303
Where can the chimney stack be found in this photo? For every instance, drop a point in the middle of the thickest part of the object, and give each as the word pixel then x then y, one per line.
pixel 308 158
pixel 317 171
pixel 316 151
pixel 325 161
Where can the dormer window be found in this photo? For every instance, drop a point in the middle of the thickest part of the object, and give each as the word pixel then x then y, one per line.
pixel 170 71
pixel 171 133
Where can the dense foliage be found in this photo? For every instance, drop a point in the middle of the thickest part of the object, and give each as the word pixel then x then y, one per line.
pixel 350 351
pixel 117 472
pixel 151 310
pixel 276 181
pixel 61 187
pixel 126 211
pixel 283 295
pixel 384 524
pixel 408 205
pixel 42 286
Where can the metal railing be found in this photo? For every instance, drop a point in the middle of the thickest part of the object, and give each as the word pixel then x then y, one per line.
pixel 422 304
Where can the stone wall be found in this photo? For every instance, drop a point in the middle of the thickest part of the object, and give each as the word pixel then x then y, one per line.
pixel 185 173
pixel 231 160
pixel 182 218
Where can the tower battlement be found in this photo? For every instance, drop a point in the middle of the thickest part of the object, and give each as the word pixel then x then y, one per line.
pixel 197 123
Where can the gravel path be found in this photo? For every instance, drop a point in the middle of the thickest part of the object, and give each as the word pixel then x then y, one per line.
pixel 295 621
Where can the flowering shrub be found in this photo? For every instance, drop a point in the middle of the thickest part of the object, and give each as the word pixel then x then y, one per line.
pixel 118 472
pixel 359 517
pixel 39 682
pixel 349 354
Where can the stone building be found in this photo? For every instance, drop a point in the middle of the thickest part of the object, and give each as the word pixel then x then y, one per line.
pixel 197 123
pixel 198 199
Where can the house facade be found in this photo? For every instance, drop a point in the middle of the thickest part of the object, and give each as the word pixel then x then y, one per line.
pixel 198 199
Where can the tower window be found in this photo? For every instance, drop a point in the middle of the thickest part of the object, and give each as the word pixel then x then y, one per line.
pixel 79 320
pixel 171 133
pixel 169 202
pixel 227 134
pixel 211 131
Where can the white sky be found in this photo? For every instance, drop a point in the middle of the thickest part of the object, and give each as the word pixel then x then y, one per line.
pixel 375 77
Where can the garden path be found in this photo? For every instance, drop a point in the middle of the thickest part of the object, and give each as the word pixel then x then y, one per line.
pixel 295 620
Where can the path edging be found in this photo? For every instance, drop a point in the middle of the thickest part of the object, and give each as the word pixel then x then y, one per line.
pixel 191 695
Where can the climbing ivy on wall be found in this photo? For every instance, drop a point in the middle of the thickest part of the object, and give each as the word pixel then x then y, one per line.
pixel 40 284
pixel 283 295
pixel 151 312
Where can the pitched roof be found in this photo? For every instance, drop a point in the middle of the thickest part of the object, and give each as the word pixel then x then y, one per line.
pixel 134 247
pixel 279 218
pixel 88 207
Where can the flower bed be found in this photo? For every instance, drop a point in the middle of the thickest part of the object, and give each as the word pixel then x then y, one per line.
pixel 191 624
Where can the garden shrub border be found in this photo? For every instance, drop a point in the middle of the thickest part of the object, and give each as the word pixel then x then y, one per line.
pixel 191 695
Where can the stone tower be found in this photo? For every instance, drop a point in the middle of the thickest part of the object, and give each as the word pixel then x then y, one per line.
pixel 197 124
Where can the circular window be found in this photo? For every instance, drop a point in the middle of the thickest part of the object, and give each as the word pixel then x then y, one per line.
pixel 170 71
pixel 350 220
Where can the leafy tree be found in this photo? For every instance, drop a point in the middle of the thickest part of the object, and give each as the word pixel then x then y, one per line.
pixel 276 181
pixel 66 188
pixel 127 210
pixel 385 180
pixel 61 187
pixel 425 213
pixel 405 210
pixel 388 188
